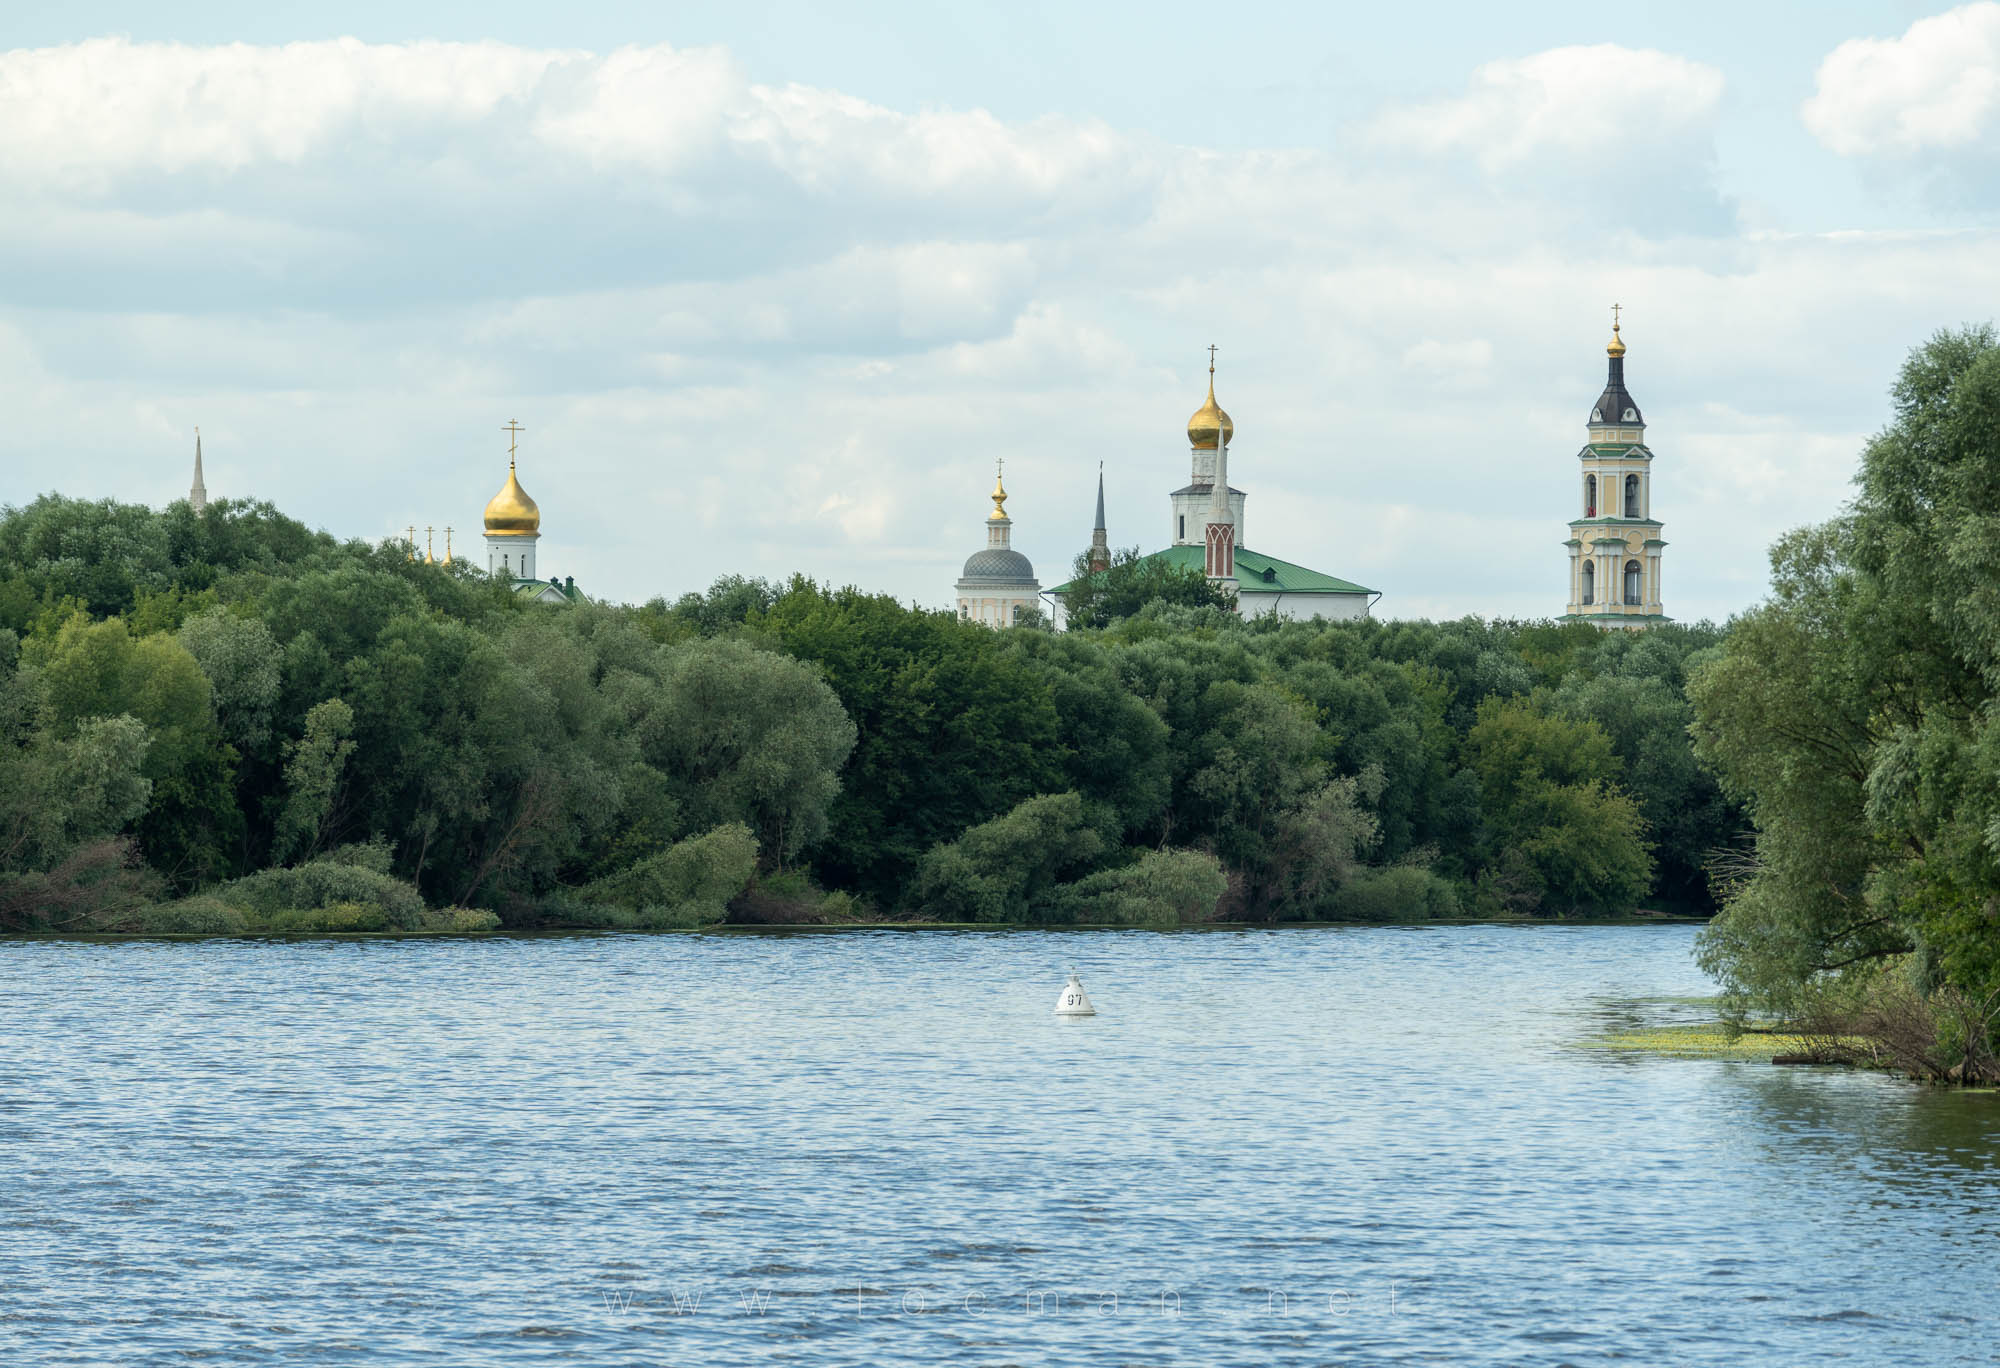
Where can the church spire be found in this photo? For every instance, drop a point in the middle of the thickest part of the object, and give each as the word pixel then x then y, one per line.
pixel 1615 407
pixel 198 494
pixel 1100 545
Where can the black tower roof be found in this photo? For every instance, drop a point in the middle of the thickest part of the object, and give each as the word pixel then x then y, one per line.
pixel 1616 404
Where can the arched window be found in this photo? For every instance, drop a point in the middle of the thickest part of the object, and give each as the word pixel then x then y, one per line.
pixel 1589 580
pixel 1631 496
pixel 1632 583
pixel 1590 496
pixel 1183 532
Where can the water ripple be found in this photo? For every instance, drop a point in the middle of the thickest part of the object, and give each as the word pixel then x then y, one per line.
pixel 1368 1146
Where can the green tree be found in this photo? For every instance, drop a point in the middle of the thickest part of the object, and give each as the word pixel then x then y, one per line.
pixel 951 727
pixel 1547 792
pixel 1853 713
pixel 1133 582
pixel 1004 870
pixel 750 736
pixel 312 780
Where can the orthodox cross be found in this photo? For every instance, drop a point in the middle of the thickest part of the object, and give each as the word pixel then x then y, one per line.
pixel 1614 316
pixel 1211 358
pixel 513 430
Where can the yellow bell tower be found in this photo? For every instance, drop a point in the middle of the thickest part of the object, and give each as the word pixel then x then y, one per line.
pixel 1614 548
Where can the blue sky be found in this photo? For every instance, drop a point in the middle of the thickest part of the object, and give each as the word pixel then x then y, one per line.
pixel 772 286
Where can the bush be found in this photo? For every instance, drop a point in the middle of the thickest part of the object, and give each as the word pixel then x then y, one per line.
pixel 201 915
pixel 462 919
pixel 99 886
pixel 789 898
pixel 1000 871
pixel 268 897
pixel 1162 889
pixel 1403 894
pixel 340 916
pixel 688 884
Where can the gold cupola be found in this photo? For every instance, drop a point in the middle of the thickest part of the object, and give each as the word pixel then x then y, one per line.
pixel 512 513
pixel 999 497
pixel 1617 345
pixel 1209 420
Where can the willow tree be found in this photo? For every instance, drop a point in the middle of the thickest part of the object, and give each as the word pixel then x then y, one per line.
pixel 1857 714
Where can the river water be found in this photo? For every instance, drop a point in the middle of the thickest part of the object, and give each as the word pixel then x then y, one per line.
pixel 1380 1145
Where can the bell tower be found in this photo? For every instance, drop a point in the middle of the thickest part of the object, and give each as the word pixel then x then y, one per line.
pixel 1614 547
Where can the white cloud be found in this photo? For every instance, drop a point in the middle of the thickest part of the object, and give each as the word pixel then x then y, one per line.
pixel 1568 105
pixel 1935 90
pixel 82 115
pixel 772 328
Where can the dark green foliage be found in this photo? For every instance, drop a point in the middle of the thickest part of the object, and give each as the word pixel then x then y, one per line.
pixel 953 728
pixel 1003 870
pixel 1402 894
pixel 1133 582
pixel 1857 715
pixel 688 884
pixel 1161 889
pixel 325 883
pixel 228 695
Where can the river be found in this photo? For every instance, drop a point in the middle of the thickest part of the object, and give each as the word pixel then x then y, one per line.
pixel 1376 1145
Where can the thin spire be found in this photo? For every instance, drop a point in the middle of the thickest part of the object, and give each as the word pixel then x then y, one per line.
pixel 999 491
pixel 447 546
pixel 429 559
pixel 198 494
pixel 1100 544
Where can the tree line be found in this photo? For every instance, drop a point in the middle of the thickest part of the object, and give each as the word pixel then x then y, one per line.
pixel 226 721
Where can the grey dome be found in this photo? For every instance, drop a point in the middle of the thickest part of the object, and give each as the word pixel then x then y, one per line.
pixel 999 563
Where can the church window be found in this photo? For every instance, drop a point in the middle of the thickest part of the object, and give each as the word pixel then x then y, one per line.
pixel 1631 496
pixel 1589 581
pixel 1632 583
pixel 1183 531
pixel 1590 496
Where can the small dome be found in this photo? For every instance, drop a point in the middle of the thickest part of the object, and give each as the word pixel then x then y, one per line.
pixel 512 513
pixel 1208 420
pixel 998 563
pixel 1617 346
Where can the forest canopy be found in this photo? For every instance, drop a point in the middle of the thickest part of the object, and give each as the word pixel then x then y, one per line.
pixel 198 702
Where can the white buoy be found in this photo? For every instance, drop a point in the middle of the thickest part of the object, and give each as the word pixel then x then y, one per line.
pixel 1073 1001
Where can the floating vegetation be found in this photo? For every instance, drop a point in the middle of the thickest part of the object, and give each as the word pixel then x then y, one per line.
pixel 1707 1040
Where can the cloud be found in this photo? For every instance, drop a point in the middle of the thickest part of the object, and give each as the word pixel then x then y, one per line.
pixel 765 328
pixel 1570 104
pixel 1927 101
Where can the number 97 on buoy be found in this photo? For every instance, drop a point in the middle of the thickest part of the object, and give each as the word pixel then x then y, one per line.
pixel 1073 1001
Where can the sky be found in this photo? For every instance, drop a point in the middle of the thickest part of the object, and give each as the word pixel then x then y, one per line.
pixel 771 287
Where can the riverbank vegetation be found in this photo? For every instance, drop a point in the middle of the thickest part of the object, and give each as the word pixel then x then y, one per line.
pixel 1856 714
pixel 227 722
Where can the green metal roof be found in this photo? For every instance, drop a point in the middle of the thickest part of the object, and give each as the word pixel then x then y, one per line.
pixel 1284 577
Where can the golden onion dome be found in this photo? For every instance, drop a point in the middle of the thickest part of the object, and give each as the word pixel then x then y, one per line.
pixel 1617 347
pixel 512 513
pixel 1208 420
